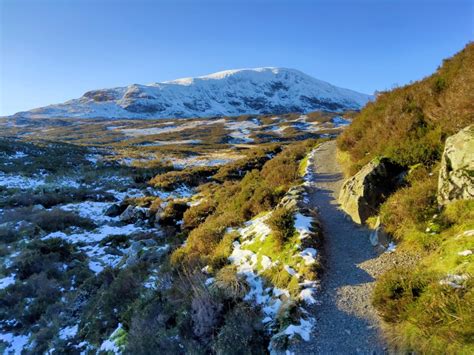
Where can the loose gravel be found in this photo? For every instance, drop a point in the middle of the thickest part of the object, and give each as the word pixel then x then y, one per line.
pixel 346 322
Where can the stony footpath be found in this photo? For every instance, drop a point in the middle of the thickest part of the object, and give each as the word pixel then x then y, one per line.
pixel 346 322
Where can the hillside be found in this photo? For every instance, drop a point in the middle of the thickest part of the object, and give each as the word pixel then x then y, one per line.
pixel 409 124
pixel 427 308
pixel 227 93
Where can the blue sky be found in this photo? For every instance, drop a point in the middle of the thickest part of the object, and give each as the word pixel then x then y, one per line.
pixel 53 50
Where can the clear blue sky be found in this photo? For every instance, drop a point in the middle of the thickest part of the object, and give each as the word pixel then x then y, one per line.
pixel 52 51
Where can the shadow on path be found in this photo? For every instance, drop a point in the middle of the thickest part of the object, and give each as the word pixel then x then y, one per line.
pixel 346 321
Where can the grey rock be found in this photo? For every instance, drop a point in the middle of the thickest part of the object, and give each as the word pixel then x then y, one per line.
pixel 362 194
pixel 115 210
pixel 132 214
pixel 456 176
pixel 37 208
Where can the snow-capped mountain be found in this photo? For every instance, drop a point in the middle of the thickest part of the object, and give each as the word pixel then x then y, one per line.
pixel 226 93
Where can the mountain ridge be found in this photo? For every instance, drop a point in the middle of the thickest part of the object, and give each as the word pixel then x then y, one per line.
pixel 233 92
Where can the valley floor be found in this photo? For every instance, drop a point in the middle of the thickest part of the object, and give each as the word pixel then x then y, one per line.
pixel 346 321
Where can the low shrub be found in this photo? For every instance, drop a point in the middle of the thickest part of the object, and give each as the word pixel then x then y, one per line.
pixel 282 225
pixel 191 177
pixel 229 285
pixel 242 326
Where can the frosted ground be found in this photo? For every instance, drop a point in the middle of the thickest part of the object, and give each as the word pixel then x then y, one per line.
pixel 83 182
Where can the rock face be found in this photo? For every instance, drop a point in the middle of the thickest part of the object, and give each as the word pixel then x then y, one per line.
pixel 362 194
pixel 456 176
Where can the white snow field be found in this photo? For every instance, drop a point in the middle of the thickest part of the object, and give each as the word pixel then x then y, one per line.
pixel 227 93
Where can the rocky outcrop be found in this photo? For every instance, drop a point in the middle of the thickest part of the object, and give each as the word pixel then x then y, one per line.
pixel 133 214
pixel 115 210
pixel 456 176
pixel 362 194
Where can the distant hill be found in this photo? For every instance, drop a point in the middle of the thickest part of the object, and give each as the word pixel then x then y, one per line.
pixel 226 93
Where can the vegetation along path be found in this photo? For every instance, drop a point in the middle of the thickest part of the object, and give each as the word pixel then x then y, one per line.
pixel 346 321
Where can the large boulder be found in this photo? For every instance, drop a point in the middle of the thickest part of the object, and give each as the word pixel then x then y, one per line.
pixel 362 194
pixel 456 176
pixel 132 214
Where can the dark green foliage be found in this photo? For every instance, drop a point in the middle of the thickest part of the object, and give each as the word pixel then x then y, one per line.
pixel 282 224
pixel 242 333
pixel 117 291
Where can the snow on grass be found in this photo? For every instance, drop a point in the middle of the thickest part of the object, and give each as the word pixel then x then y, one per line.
pixel 90 209
pixel 137 132
pixel 18 155
pixel 181 163
pixel 256 228
pixel 303 225
pixel 391 247
pixel 96 235
pixel 241 130
pixel 307 295
pixel 173 142
pixel 308 173
pixel 15 181
pixel 129 193
pixel 7 281
pixel 303 329
pixel 93 158
pixel 15 343
pixel 309 256
pixel 340 122
pixel 182 191
pixel 68 332
pixel 111 344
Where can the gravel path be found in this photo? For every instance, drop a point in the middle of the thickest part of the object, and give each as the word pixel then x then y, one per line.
pixel 346 321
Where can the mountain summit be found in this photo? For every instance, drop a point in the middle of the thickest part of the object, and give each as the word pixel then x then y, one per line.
pixel 226 93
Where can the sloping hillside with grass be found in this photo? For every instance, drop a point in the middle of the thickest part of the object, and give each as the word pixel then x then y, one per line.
pixel 409 124
pixel 427 308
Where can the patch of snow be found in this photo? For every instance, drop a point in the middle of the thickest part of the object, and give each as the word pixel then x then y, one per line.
pixel 7 281
pixel 109 344
pixel 338 121
pixel 209 281
pixel 309 255
pixel 265 262
pixel 18 155
pixel 289 270
pixel 173 142
pixel 307 296
pixel 68 332
pixel 391 247
pixel 303 329
pixel 303 225
pixel 90 209
pixel 15 343
pixel 256 228
pixel 466 252
pixel 454 281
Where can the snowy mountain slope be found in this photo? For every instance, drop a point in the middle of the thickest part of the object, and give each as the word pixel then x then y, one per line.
pixel 226 93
